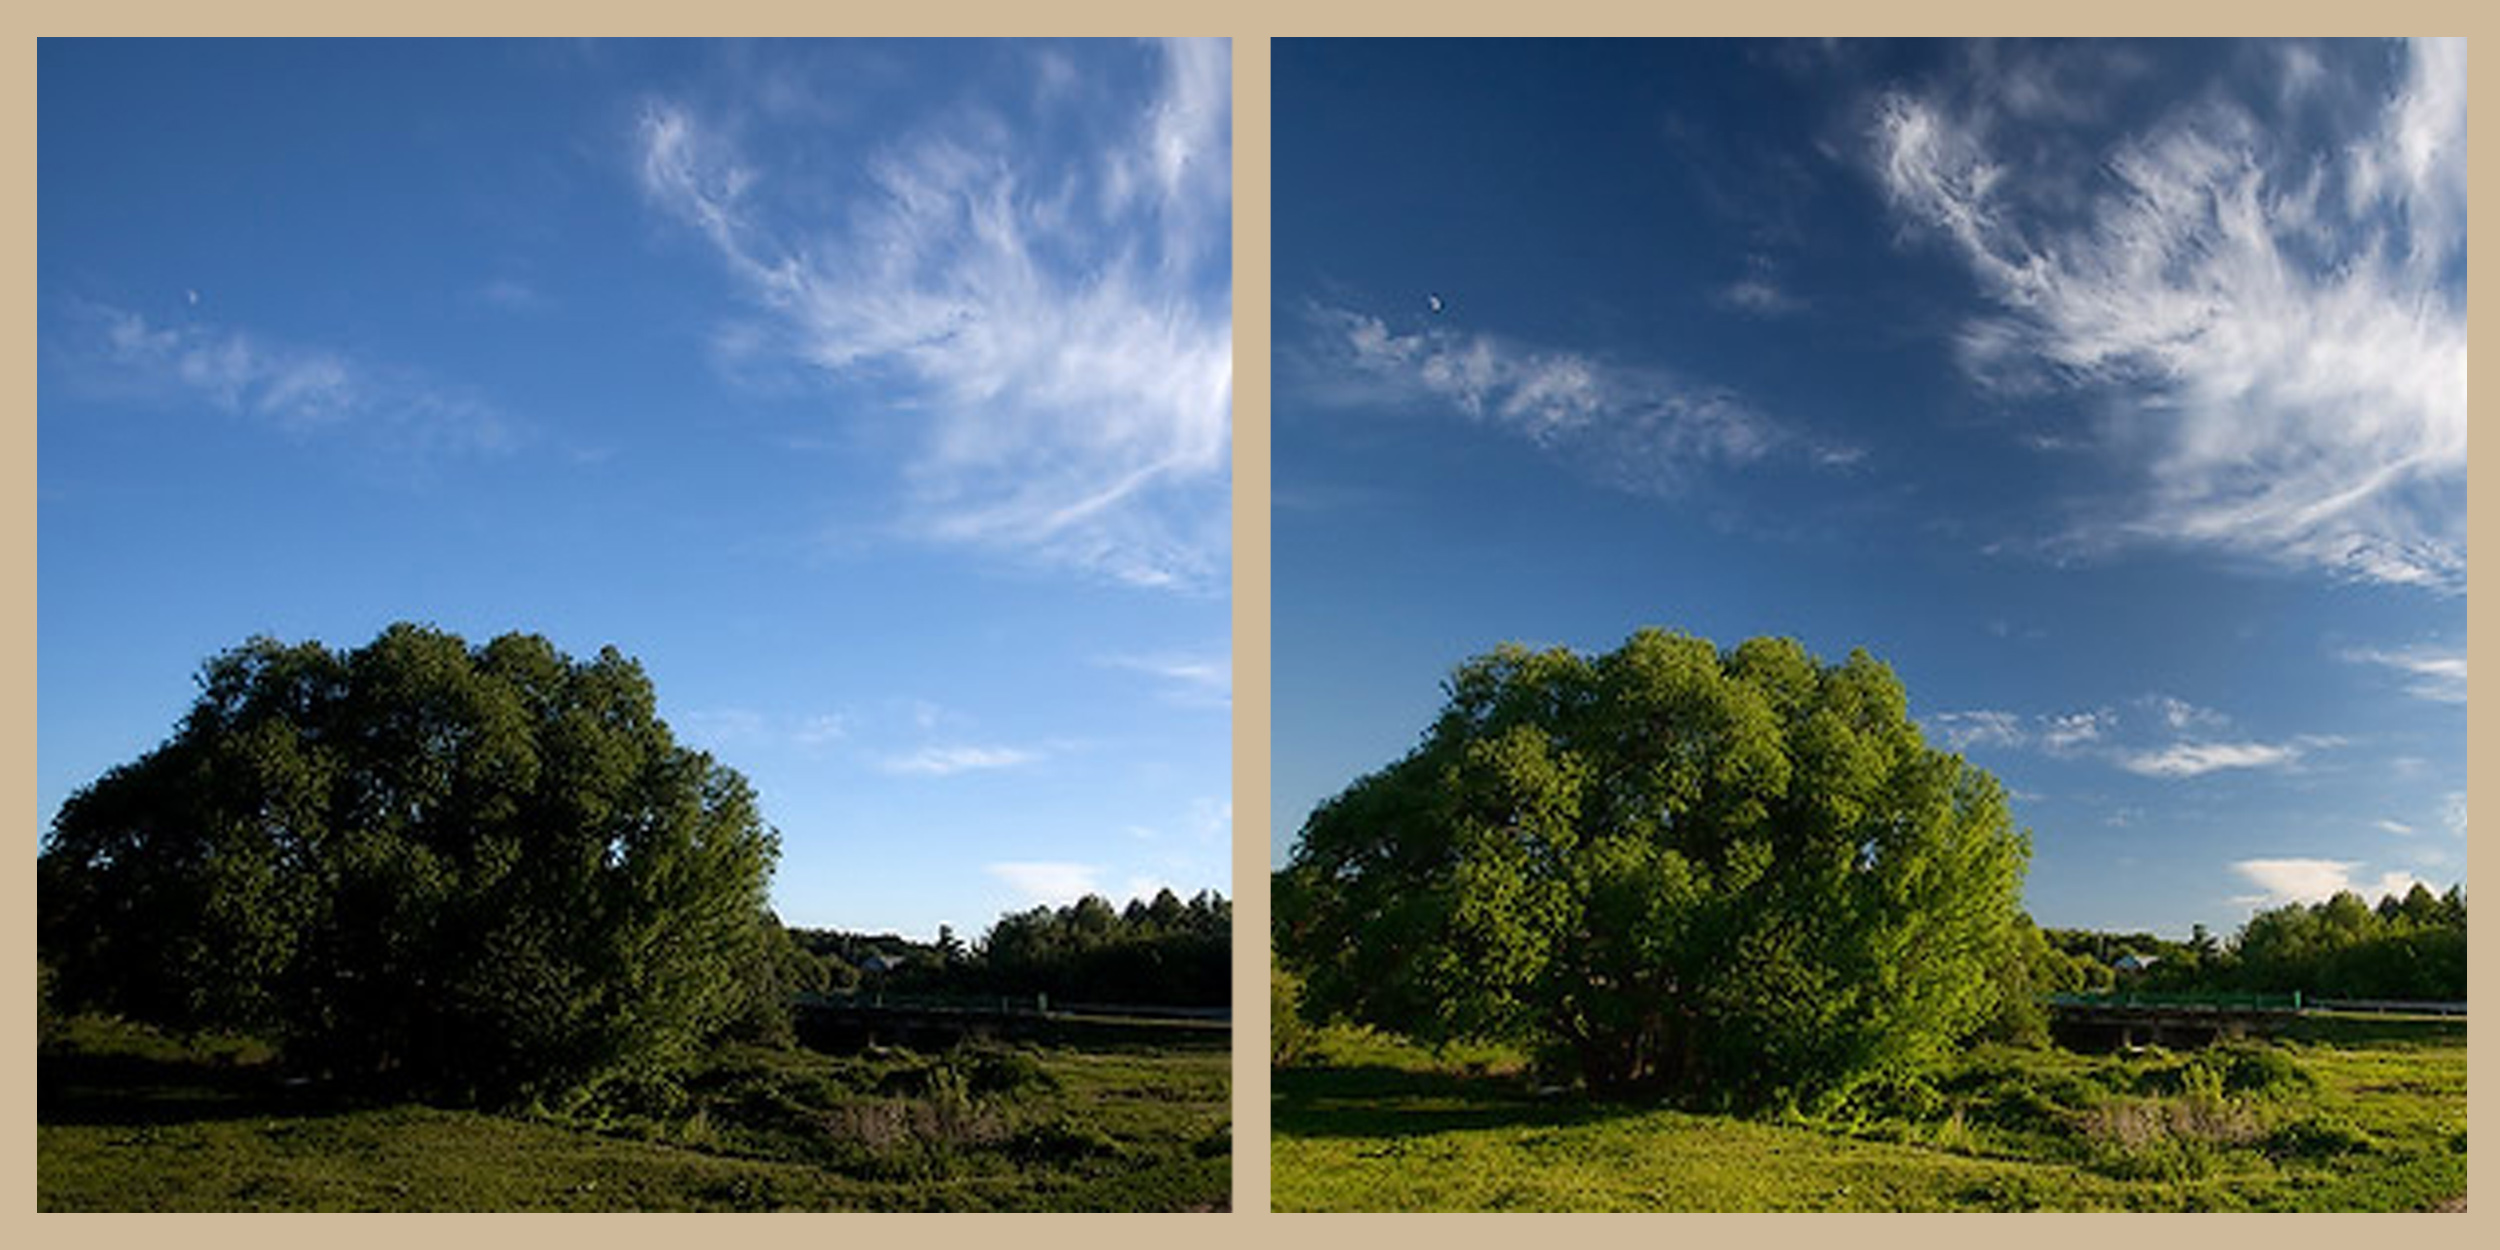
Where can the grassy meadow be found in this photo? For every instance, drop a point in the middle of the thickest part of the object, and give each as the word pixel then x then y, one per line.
pixel 130 1119
pixel 2343 1115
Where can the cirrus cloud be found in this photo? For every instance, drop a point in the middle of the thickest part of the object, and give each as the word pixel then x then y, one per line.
pixel 1061 330
pixel 2286 365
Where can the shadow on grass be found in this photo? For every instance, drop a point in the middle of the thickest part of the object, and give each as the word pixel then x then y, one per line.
pixel 125 1090
pixel 1376 1101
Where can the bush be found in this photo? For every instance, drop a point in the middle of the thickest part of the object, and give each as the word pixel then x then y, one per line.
pixel 2319 1137
pixel 1290 1036
pixel 484 873
pixel 1742 876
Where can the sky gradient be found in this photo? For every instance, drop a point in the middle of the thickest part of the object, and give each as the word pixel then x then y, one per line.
pixel 2114 394
pixel 875 396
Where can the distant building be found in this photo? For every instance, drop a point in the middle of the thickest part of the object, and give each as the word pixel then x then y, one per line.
pixel 2132 962
pixel 878 963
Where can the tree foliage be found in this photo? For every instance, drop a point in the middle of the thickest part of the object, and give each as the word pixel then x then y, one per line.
pixel 2411 947
pixel 1738 874
pixel 485 872
pixel 1159 952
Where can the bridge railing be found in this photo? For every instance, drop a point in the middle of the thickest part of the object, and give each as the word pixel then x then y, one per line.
pixel 1005 1005
pixel 2182 1001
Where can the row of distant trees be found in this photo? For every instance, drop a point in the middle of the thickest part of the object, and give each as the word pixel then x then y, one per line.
pixel 2409 946
pixel 1162 951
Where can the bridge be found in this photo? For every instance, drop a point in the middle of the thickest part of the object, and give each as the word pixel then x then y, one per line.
pixel 2182 1021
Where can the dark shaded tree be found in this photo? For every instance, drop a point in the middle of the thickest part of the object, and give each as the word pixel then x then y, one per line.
pixel 482 872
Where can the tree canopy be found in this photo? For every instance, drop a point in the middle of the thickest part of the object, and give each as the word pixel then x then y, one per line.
pixel 1742 875
pixel 488 872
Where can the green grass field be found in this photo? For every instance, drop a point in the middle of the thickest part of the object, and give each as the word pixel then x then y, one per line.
pixel 128 1119
pixel 2353 1116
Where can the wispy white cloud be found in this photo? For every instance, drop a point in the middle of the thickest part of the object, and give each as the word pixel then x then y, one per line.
pixel 2291 372
pixel 1760 293
pixel 1056 882
pixel 1190 679
pixel 1067 347
pixel 1980 728
pixel 2095 734
pixel 514 295
pixel 2316 880
pixel 295 387
pixel 2437 673
pixel 2397 827
pixel 1636 427
pixel 747 728
pixel 2074 730
pixel 2180 715
pixel 2195 759
pixel 2062 733
pixel 946 761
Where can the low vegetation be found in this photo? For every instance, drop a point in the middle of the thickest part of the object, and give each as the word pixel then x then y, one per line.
pixel 2369 1116
pixel 130 1118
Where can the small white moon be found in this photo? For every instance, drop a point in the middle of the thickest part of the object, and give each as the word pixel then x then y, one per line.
pixel 1434 302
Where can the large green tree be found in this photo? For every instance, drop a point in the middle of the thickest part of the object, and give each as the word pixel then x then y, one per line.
pixel 1741 875
pixel 486 872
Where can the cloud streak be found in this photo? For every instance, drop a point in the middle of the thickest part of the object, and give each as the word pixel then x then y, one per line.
pixel 297 388
pixel 2195 759
pixel 1056 882
pixel 1188 679
pixel 947 761
pixel 2437 674
pixel 2190 752
pixel 2285 365
pixel 1641 429
pixel 1061 330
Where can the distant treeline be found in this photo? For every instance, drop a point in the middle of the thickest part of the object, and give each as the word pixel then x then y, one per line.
pixel 2410 947
pixel 1158 952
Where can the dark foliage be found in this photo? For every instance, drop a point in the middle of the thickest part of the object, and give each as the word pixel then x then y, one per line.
pixel 1158 953
pixel 476 872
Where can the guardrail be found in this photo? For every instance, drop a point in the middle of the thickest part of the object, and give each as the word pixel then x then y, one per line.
pixel 2389 1006
pixel 2181 1001
pixel 1006 1005
pixel 2294 1002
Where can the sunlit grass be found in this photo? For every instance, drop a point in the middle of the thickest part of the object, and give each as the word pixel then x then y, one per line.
pixel 2372 1124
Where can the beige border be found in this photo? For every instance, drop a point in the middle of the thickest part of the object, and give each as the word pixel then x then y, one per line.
pixel 1251 794
pixel 1250 608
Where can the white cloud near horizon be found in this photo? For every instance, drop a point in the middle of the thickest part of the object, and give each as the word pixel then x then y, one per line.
pixel 1055 882
pixel 1638 428
pixel 1062 330
pixel 2285 881
pixel 298 388
pixel 2285 365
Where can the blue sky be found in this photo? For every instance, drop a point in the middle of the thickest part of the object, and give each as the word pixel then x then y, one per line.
pixel 875 396
pixel 2113 393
